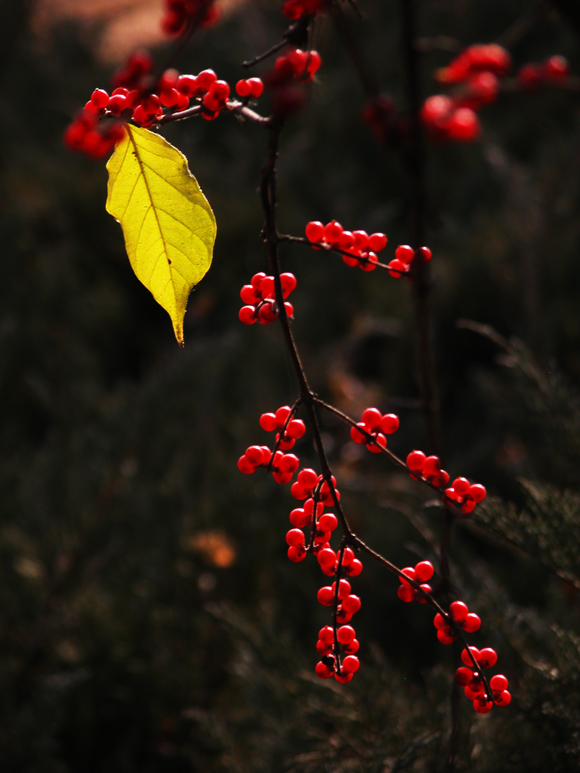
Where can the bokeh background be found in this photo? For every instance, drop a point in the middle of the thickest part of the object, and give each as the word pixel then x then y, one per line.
pixel 149 618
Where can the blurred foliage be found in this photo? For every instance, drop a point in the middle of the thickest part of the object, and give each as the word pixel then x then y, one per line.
pixel 149 620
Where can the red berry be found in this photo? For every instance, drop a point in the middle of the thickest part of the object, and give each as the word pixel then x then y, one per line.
pixel 406 593
pixel 351 664
pixel 472 623
pixel 432 466
pixel 332 232
pixel 100 98
pixel 498 683
pixel 344 678
pixel 296 553
pixel 377 242
pixel 247 315
pixel 424 571
pixel 477 492
pixel 256 87
pixel 295 537
pixel 299 518
pixel 326 635
pixel 327 522
pixel 352 647
pixel 458 611
pixel 461 486
pixel 346 240
pixel 465 656
pixel 354 568
pixel 372 418
pixel 243 88
pixel 503 699
pixel 289 463
pixel 463 125
pixel 389 423
pixel 463 676
pixel 326 557
pixel 482 705
pixel 288 282
pixel 360 240
pixel 205 79
pixel 424 254
pixel 409 572
pixel 343 589
pixel 487 657
pixel 404 253
pixel 397 268
pixel 352 604
pixel 323 671
pixel 345 634
pixel 314 231
pixel 556 69
pixel 325 596
pixel 446 636
pixel 416 460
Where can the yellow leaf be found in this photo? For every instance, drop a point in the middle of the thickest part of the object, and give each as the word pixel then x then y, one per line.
pixel 167 222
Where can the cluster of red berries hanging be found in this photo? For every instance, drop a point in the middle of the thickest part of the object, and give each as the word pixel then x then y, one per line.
pixel 181 15
pixel 259 298
pixel 461 494
pixel 554 71
pixel 374 423
pixel 476 74
pixel 358 248
pixel 139 98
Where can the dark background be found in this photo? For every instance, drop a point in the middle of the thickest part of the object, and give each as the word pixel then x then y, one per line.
pixel 149 619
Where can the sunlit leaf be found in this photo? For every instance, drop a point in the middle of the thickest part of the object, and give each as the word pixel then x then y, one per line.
pixel 168 225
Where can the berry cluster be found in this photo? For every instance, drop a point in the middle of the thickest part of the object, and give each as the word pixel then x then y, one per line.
pixel 554 70
pixel 288 430
pixel 358 248
pixel 471 680
pixel 250 88
pixel 287 79
pixel 296 9
pixel 406 258
pixel 181 15
pixel 374 423
pixel 460 614
pixel 461 494
pixel 138 97
pixel 477 69
pixel 260 299
pixel 421 573
pixel 282 466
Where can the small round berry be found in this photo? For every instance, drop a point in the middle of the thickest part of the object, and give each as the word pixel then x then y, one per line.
pixel 463 676
pixel 243 88
pixel 346 240
pixel 269 422
pixel 332 232
pixel 498 683
pixel 343 589
pixel 426 589
pixel 404 253
pixel 372 418
pixel 440 622
pixel 416 460
pixel 326 634
pixel 314 231
pixel 409 572
pixel 377 242
pixel 406 593
pixel 245 465
pixel 307 478
pixel 289 463
pixel 351 664
pixel 352 604
pixel 556 69
pixel 463 125
pixel 397 268
pixel 465 656
pixel 487 657
pixel 295 537
pixel 325 596
pixel 432 466
pixel 474 689
pixel 389 423
pixel 460 485
pixel 446 636
pixel 205 79
pixel 345 634
pixel 100 98
pixel 503 699
pixel 424 571
pixel 376 446
pixel 472 623
pixel 256 87
pixel 354 568
pixel 458 611
pixel 326 557
pixel 327 522
pixel 288 282
pixel 352 647
pixel 424 254
pixel 482 705
pixel 247 315
pixel 357 436
pixel 296 553
pixel 323 671
pixel 360 240
pixel 477 492
pixel 299 518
